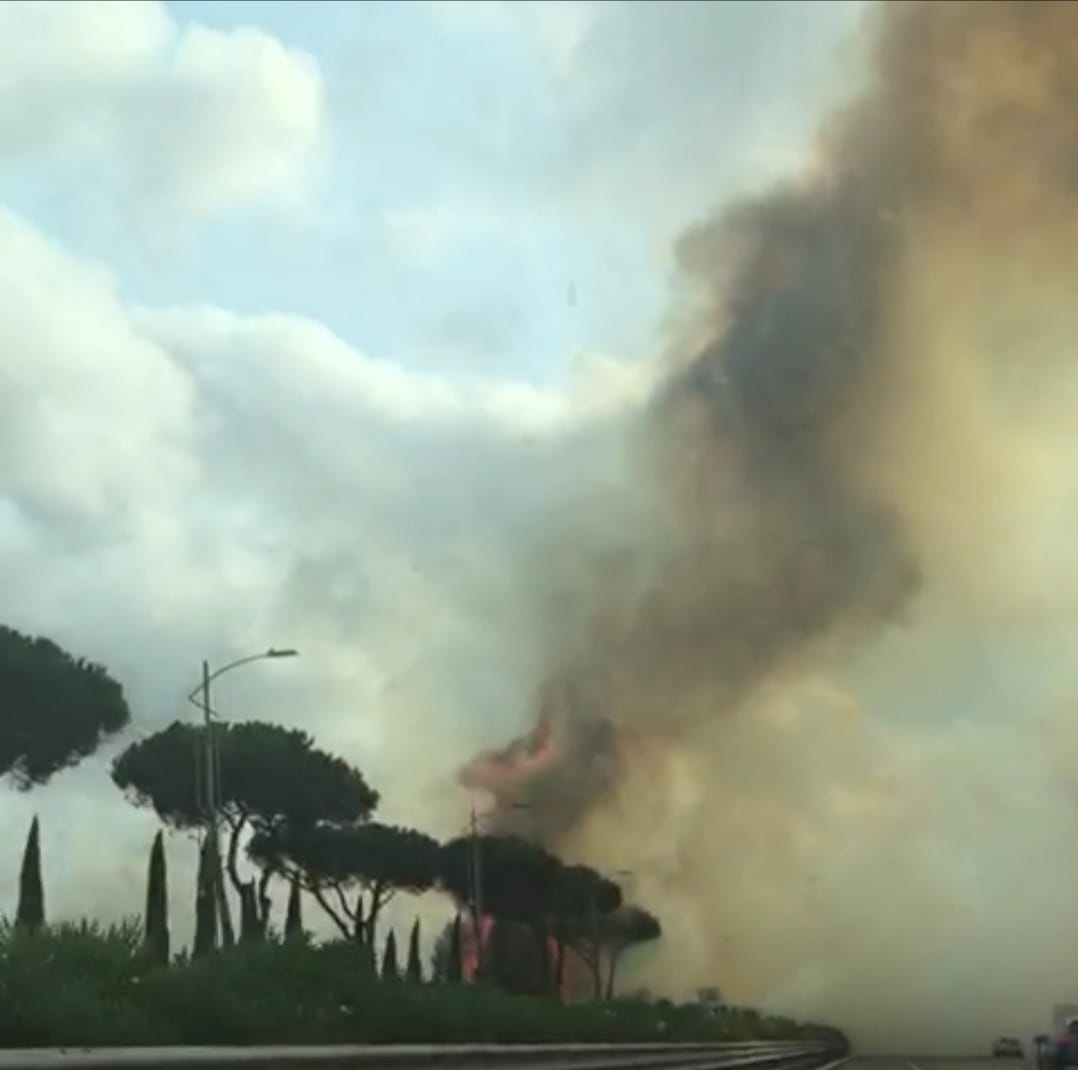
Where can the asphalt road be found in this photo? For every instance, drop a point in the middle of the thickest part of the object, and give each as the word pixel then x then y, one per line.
pixel 932 1063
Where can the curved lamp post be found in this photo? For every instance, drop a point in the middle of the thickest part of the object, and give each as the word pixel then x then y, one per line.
pixel 200 699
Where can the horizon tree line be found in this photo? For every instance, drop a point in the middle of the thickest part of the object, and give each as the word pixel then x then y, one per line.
pixel 296 814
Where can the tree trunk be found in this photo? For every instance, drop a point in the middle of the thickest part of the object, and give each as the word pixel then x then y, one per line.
pixel 264 902
pixel 380 895
pixel 453 969
pixel 596 962
pixel 615 955
pixel 541 934
pixel 341 923
pixel 235 828
pixel 250 928
pixel 228 935
pixel 205 904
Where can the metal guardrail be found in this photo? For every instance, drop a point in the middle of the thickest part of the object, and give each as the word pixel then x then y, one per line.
pixel 768 1055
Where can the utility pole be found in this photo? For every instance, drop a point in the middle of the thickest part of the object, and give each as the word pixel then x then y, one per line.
pixel 211 795
pixel 208 769
pixel 213 778
pixel 477 894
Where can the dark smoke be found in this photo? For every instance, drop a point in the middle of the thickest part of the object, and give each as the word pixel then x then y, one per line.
pixel 765 538
pixel 849 519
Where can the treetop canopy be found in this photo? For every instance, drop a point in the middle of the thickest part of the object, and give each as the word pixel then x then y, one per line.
pixel 269 775
pixel 55 709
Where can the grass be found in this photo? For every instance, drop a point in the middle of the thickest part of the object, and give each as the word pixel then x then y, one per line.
pixel 86 985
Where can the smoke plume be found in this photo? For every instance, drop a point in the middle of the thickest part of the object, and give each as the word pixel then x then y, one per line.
pixel 810 684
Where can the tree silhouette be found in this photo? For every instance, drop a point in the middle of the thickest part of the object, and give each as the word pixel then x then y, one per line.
pixel 269 775
pixel 156 937
pixel 414 969
pixel 518 879
pixel 522 884
pixel 390 969
pixel 582 901
pixel 352 871
pixel 30 913
pixel 56 709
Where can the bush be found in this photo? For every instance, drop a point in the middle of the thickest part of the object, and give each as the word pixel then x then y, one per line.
pixel 83 984
pixel 73 984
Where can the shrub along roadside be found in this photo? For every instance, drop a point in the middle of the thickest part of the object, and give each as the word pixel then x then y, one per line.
pixel 84 985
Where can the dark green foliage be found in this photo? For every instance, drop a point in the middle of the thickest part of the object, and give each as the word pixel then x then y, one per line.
pixel 73 983
pixel 414 969
pixel 30 913
pixel 156 935
pixel 390 969
pixel 79 985
pixel 56 709
pixel 519 879
pixel 522 882
pixel 366 859
pixel 524 885
pixel 205 902
pixel 269 774
pixel 293 924
pixel 581 893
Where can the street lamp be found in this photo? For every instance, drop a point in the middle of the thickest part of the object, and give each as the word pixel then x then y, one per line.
pixel 213 763
pixel 212 757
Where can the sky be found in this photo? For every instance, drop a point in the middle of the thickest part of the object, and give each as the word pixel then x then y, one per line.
pixel 310 312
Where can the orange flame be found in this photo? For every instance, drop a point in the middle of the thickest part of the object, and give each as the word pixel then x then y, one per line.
pixel 504 771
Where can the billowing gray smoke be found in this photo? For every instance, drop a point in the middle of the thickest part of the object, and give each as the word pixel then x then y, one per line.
pixel 870 440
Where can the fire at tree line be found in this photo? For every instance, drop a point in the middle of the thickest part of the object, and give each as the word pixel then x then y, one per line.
pixel 302 817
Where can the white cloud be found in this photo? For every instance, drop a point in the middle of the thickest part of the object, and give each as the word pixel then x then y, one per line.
pixel 184 120
pixel 188 482
pixel 91 416
pixel 319 385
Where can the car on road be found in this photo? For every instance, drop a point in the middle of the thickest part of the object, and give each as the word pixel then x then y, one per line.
pixel 1007 1048
pixel 1061 1050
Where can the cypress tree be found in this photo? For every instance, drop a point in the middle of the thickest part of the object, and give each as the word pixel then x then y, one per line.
pixel 453 971
pixel 205 902
pixel 30 914
pixel 390 969
pixel 156 939
pixel 293 924
pixel 414 970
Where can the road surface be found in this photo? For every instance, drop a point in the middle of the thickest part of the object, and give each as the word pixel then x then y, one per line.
pixel 858 1062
